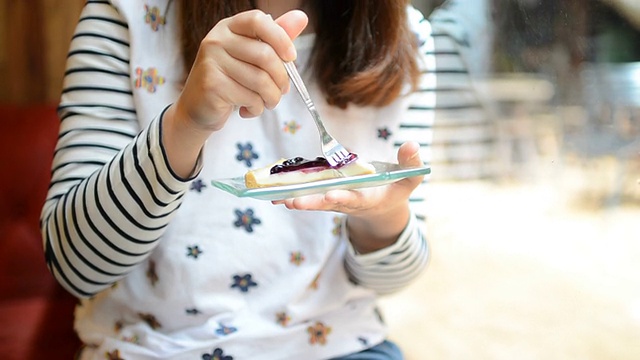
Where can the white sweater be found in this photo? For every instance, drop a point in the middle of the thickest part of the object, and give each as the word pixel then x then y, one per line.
pixel 170 268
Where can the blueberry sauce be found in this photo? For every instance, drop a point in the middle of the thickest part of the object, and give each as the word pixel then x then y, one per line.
pixel 299 163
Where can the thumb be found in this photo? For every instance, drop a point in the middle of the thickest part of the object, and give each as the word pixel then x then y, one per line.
pixel 409 155
pixel 293 22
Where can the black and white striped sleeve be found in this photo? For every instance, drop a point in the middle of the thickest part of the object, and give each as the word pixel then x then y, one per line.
pixel 112 192
pixel 464 133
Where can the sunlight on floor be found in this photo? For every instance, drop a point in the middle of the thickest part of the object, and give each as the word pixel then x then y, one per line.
pixel 518 272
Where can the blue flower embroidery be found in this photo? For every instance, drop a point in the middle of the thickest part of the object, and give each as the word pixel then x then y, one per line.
pixel 246 153
pixel 193 251
pixel 243 282
pixel 217 354
pixel 246 220
pixel 225 330
pixel 197 185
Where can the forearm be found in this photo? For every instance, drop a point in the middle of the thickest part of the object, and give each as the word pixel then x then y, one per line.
pixel 96 230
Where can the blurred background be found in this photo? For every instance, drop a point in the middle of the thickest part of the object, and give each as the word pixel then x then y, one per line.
pixel 534 202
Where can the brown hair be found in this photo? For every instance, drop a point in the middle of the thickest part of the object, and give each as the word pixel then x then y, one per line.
pixel 364 52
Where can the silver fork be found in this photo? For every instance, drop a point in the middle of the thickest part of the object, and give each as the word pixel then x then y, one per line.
pixel 335 153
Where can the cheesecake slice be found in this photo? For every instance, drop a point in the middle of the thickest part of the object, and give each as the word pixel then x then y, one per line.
pixel 299 170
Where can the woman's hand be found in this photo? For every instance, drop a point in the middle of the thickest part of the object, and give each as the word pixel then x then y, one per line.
pixel 238 66
pixel 377 215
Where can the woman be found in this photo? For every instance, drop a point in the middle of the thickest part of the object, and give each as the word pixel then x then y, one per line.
pixel 162 97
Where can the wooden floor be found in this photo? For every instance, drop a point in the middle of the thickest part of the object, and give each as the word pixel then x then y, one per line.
pixel 523 272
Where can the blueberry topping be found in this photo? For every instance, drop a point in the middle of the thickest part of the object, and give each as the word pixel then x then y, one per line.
pixel 299 163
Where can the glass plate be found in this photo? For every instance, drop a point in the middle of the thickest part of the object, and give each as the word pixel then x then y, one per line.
pixel 385 173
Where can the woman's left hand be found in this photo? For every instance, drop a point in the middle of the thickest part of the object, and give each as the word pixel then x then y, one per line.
pixel 377 215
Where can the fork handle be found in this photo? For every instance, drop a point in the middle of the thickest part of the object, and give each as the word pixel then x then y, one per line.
pixel 292 71
pixel 295 77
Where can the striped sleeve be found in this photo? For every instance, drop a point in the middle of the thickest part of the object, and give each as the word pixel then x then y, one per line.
pixel 112 192
pixel 394 267
pixel 464 135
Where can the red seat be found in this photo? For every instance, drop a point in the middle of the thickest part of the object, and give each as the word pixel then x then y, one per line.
pixel 36 314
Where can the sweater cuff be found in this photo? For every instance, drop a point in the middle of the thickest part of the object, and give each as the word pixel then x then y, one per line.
pixel 378 255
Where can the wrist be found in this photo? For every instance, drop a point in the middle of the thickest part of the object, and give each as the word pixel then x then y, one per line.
pixel 182 124
pixel 374 232
pixel 182 141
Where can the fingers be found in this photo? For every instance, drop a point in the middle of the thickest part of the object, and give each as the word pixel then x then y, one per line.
pixel 258 25
pixel 275 46
pixel 344 201
pixel 245 52
pixel 293 22
pixel 256 66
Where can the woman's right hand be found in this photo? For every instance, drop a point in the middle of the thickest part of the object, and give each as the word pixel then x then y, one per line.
pixel 238 66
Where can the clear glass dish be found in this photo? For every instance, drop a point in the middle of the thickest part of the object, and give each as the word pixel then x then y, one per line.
pixel 385 173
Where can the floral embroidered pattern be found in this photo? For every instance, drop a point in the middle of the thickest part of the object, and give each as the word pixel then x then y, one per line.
pixel 217 354
pixel 291 127
pixel 384 133
pixel 296 258
pixel 197 185
pixel 152 275
pixel 337 226
pixel 246 220
pixel 318 333
pixel 193 251
pixel 114 355
pixel 243 283
pixel 246 154
pixel 225 330
pixel 148 79
pixel 150 320
pixel 118 326
pixel 134 339
pixel 282 318
pixel 153 17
